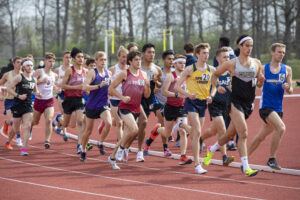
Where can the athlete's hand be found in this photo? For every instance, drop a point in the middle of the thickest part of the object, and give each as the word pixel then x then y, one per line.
pixel 221 90
pixel 45 80
pixel 261 78
pixel 193 96
pixel 285 86
pixel 209 99
pixel 23 96
pixel 38 94
pixel 125 99
pixel 103 83
pixel 156 90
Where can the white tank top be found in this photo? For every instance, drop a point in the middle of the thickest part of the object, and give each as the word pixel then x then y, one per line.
pixel 46 89
pixel 119 87
pixel 61 74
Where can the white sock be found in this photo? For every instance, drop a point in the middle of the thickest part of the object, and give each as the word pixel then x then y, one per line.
pixel 215 147
pixel 245 164
pixel 230 142
pixel 82 149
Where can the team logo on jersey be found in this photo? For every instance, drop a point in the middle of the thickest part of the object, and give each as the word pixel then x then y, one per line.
pixel 281 77
pixel 203 79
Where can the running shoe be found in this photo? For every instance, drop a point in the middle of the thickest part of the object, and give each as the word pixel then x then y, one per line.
pixel 19 142
pixel 78 148
pixel 227 160
pixel 100 127
pixel 47 145
pixel 176 126
pixel 208 157
pixel 65 137
pixel 30 137
pixel 231 147
pixel 8 146
pixel 200 170
pixel 140 157
pixel 101 149
pixel 273 164
pixel 125 155
pixel 5 128
pixel 146 149
pixel 113 163
pixel 184 160
pixel 250 172
pixel 24 152
pixel 83 156
pixel 89 146
pixel 171 139
pixel 167 153
pixel 119 154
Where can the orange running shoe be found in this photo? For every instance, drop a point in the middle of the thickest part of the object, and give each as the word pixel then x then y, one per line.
pixel 8 146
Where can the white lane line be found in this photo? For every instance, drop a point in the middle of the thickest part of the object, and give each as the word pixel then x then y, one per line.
pixel 285 96
pixel 177 172
pixel 61 188
pixel 128 180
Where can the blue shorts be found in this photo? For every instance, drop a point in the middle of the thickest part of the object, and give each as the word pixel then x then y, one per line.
pixel 8 103
pixel 61 95
pixel 197 106
pixel 114 102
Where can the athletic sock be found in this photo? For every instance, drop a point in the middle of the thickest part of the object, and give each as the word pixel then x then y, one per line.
pixel 165 146
pixel 230 142
pixel 18 135
pixel 215 147
pixel 82 149
pixel 245 164
pixel 149 141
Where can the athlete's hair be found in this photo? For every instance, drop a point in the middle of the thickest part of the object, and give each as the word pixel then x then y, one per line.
pixel 16 58
pixel 131 44
pixel 167 52
pixel 275 45
pixel 237 52
pixel 86 56
pixel 99 54
pixel 224 42
pixel 25 59
pixel 131 55
pixel 29 56
pixel 201 46
pixel 122 49
pixel 49 55
pixel 66 52
pixel 221 50
pixel 240 38
pixel 188 47
pixel 179 56
pixel 90 61
pixel 146 46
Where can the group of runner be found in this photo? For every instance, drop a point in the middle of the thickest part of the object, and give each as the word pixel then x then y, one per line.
pixel 178 93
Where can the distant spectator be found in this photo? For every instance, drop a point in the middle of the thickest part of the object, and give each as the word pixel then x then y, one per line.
pixel 7 68
pixel 189 54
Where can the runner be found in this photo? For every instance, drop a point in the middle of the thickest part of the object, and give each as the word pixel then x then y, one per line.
pixel 21 88
pixel 45 104
pixel 9 102
pixel 132 46
pixel 160 100
pixel 96 83
pixel 278 79
pixel 73 98
pixel 217 109
pixel 244 71
pixel 189 54
pixel 198 82
pixel 135 85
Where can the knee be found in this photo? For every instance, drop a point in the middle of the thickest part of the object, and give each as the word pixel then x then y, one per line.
pixel 119 124
pixel 108 124
pixel 34 123
pixel 243 134
pixel 27 125
pixel 47 121
pixel 281 129
pixel 134 130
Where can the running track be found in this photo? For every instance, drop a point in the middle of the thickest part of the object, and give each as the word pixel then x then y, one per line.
pixel 58 173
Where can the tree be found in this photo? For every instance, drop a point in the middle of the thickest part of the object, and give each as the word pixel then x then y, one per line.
pixel 10 8
pixel 42 11
pixel 65 24
pixel 130 22
pixel 58 23
pixel 297 38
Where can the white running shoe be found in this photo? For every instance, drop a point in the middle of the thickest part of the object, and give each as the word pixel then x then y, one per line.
pixel 140 157
pixel 113 163
pixel 19 142
pixel 176 126
pixel 125 155
pixel 200 170
pixel 119 154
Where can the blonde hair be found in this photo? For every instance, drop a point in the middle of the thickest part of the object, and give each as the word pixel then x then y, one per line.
pixel 122 49
pixel 201 46
pixel 49 55
pixel 221 50
pixel 99 54
pixel 275 45
pixel 179 56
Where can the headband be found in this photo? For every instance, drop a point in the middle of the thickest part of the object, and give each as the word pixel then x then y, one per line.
pixel 179 60
pixel 244 39
pixel 27 62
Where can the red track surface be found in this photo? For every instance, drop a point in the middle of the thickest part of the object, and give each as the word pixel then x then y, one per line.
pixel 58 174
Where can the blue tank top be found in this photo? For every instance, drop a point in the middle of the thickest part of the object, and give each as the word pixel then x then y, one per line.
pixel 224 81
pixel 98 98
pixel 272 92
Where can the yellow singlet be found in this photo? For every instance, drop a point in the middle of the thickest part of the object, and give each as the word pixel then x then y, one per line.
pixel 199 82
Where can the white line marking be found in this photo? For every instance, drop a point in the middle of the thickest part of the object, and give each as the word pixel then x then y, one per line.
pixel 127 180
pixel 61 188
pixel 285 96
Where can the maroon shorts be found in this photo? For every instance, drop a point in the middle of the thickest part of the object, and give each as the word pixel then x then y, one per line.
pixel 41 105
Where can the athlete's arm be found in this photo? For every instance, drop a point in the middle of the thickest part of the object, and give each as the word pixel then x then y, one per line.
pixel 89 78
pixel 12 85
pixel 260 74
pixel 288 86
pixel 35 90
pixel 147 90
pixel 185 74
pixel 66 78
pixel 112 70
pixel 157 78
pixel 122 76
pixel 4 78
pixel 165 89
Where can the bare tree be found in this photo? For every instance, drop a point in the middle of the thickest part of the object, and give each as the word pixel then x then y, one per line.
pixel 145 32
pixel 221 7
pixel 167 11
pixel 88 6
pixel 65 24
pixel 9 5
pixel 42 11
pixel 130 22
pixel 58 23
pixel 241 17
pixel 274 4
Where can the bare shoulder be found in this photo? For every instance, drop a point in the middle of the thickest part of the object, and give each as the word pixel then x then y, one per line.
pixel 157 68
pixel 56 70
pixel 212 68
pixel 257 61
pixel 144 74
pixel 112 69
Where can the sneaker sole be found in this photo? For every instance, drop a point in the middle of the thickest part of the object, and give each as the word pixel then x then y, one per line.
pixel 185 163
pixel 251 175
pixel 230 160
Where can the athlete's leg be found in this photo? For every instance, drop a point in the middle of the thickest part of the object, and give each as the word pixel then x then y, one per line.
pixel 88 131
pixel 27 120
pixel 106 117
pixel 195 134
pixel 118 122
pixel 48 114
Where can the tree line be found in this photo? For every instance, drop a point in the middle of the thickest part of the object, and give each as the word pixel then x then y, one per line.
pixel 58 25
